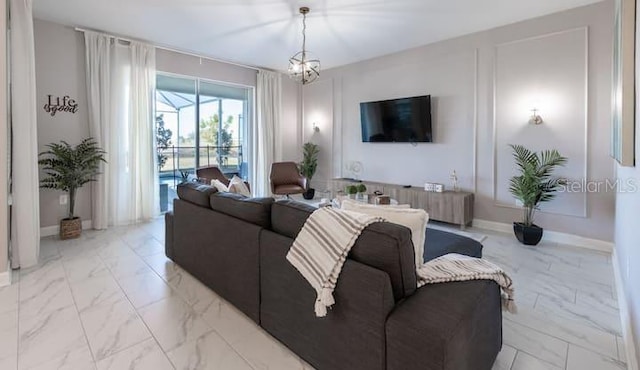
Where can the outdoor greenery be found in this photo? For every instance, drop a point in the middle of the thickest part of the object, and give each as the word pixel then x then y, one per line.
pixel 535 183
pixel 362 188
pixel 309 162
pixel 68 168
pixel 163 140
pixel 209 134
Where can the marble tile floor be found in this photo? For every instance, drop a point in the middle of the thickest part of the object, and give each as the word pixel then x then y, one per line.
pixel 112 300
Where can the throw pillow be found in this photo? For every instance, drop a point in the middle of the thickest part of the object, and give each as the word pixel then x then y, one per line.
pixel 219 185
pixel 237 185
pixel 414 219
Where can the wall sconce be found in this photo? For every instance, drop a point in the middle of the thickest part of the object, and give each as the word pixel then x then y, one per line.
pixel 315 127
pixel 535 118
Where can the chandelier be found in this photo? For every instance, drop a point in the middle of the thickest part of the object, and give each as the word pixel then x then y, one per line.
pixel 303 67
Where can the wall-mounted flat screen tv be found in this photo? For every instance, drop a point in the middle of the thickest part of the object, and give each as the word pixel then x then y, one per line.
pixel 406 120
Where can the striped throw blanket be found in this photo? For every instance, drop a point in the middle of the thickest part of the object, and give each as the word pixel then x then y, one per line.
pixel 321 248
pixel 456 267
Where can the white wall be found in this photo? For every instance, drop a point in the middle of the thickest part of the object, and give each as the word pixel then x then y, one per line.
pixel 627 250
pixel 459 74
pixel 60 71
pixel 4 219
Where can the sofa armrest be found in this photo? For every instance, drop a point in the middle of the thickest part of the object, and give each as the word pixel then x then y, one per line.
pixel 168 234
pixel 445 327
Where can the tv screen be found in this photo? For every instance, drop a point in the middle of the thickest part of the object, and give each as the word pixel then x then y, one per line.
pixel 397 121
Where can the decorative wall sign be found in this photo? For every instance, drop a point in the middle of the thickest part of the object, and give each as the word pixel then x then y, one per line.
pixel 64 104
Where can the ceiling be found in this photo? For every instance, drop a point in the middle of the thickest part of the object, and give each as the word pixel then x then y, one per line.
pixel 267 32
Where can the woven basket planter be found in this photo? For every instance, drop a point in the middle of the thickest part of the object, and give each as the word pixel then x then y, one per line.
pixel 70 228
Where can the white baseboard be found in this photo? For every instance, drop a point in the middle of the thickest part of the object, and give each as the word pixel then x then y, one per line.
pixel 625 317
pixel 5 277
pixel 55 230
pixel 552 236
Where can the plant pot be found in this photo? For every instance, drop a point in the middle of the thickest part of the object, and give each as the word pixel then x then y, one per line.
pixel 309 194
pixel 362 197
pixel 70 228
pixel 527 235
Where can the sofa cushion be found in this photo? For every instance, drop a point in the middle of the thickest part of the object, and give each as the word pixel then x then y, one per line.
pixel 438 243
pixel 458 325
pixel 254 210
pixel 415 219
pixel 288 217
pixel 382 245
pixel 195 193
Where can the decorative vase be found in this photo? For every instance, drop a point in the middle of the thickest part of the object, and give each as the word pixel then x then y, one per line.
pixel 70 228
pixel 362 197
pixel 528 235
pixel 309 194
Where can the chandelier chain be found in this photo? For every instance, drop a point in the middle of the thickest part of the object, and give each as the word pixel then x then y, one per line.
pixel 304 35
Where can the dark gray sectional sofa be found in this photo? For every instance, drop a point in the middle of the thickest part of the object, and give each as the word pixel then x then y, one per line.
pixel 237 247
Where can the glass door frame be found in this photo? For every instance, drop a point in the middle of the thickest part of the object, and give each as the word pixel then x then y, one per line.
pixel 249 114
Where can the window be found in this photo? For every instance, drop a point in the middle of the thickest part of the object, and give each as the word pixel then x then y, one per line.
pixel 199 123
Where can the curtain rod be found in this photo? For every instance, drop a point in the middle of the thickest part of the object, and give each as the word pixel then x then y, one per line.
pixel 176 50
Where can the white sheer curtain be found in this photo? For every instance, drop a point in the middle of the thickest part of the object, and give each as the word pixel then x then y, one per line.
pixel 269 94
pixel 121 84
pixel 25 218
pixel 98 71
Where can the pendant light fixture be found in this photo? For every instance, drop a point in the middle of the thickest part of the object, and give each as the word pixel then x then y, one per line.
pixel 303 67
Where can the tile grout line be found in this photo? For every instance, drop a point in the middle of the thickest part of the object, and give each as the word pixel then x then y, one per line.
pixel 562 340
pixel 190 306
pixel 136 309
pixel 75 304
pixel 513 363
pixel 555 337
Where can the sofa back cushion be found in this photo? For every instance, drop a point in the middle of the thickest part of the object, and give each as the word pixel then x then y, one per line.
pixel 382 245
pixel 288 217
pixel 415 219
pixel 196 193
pixel 254 210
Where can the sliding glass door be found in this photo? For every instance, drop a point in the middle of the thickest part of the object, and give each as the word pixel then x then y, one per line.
pixel 199 123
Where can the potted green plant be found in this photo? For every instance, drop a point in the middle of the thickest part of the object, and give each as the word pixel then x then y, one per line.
pixel 351 191
pixel 68 168
pixel 534 185
pixel 308 167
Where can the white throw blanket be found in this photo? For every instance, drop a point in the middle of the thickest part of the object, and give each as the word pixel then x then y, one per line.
pixel 456 267
pixel 321 248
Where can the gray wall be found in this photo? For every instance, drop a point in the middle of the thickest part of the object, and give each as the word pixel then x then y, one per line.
pixel 288 140
pixel 627 252
pixel 60 71
pixel 189 65
pixel 471 128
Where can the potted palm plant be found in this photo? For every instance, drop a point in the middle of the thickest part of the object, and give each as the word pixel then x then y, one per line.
pixel 68 168
pixel 534 185
pixel 308 167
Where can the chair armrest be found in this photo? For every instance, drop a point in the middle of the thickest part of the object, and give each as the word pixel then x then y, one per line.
pixel 302 181
pixel 446 326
